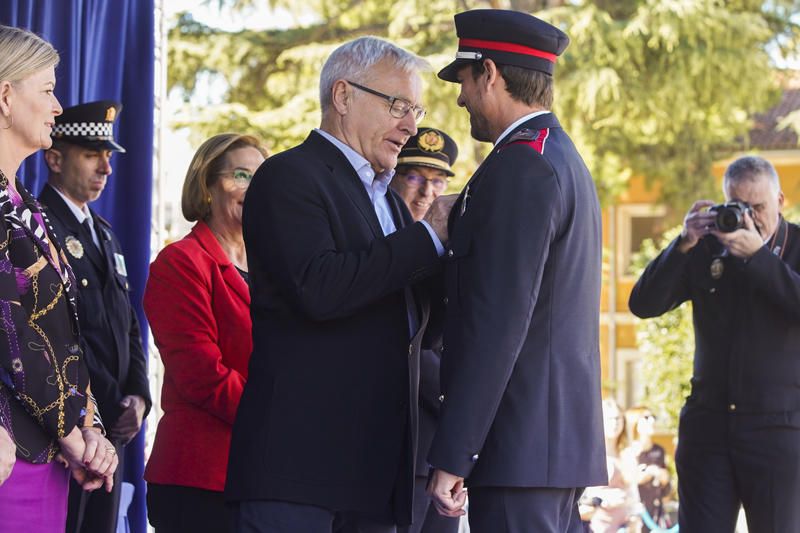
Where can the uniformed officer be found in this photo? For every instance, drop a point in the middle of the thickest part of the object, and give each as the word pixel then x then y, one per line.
pixel 521 421
pixel 424 167
pixel 80 163
pixel 739 431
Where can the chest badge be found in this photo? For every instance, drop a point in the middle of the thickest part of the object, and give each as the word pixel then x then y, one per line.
pixel 717 268
pixel 74 247
pixel 119 264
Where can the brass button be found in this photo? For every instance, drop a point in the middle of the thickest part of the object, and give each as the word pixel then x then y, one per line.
pixel 474 458
pixel 732 407
pixel 712 290
pixel 445 300
pixel 85 282
pixel 449 253
pixel 441 397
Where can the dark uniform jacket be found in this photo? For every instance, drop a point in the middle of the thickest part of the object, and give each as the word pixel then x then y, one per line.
pixel 521 363
pixel 110 335
pixel 328 414
pixel 746 320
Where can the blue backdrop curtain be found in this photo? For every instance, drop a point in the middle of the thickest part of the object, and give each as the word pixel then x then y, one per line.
pixel 107 51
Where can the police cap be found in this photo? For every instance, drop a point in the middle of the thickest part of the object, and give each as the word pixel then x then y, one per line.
pixel 90 125
pixel 429 148
pixel 507 38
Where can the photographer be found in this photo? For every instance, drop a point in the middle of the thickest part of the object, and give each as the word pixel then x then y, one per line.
pixel 739 433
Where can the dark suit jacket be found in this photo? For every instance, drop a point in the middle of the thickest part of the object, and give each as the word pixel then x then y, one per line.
pixel 110 336
pixel 521 361
pixel 328 415
pixel 746 322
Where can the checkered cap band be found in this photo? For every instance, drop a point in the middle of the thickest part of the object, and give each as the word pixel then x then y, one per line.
pixel 91 130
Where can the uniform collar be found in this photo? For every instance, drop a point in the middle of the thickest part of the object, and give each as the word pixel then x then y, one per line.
pixel 518 122
pixel 80 214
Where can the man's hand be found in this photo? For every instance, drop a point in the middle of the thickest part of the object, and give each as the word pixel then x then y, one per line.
pixel 447 493
pixel 697 223
pixel 130 421
pixel 8 454
pixel 743 242
pixel 438 213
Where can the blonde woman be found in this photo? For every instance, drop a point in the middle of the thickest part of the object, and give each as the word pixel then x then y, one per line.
pixel 46 405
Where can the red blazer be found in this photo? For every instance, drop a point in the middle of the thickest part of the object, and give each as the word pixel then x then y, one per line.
pixel 198 307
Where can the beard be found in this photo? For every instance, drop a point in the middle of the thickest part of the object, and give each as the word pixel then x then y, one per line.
pixel 479 127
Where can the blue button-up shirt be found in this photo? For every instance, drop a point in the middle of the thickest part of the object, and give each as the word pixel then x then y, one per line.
pixel 376 187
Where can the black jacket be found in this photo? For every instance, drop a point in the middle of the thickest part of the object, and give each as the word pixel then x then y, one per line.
pixel 328 414
pixel 521 361
pixel 110 337
pixel 746 321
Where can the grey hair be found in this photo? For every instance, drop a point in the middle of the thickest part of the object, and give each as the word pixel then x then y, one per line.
pixel 353 59
pixel 751 168
pixel 23 53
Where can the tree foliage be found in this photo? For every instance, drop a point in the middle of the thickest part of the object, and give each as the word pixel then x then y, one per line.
pixel 667 347
pixel 659 88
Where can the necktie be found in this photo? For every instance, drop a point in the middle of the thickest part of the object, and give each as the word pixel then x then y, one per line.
pixel 89 227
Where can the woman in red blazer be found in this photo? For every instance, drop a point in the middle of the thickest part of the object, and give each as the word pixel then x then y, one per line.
pixel 198 304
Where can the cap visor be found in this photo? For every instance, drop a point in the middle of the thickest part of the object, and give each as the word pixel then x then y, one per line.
pixel 450 72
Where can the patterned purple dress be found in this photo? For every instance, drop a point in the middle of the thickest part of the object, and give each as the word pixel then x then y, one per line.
pixel 44 383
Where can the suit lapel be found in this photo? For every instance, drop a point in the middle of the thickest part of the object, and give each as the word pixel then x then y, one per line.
pixel 344 173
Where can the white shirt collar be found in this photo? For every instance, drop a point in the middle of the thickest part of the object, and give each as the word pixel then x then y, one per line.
pixel 518 122
pixel 80 214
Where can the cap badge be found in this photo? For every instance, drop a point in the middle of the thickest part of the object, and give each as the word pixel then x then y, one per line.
pixel 431 141
pixel 74 247
pixel 111 114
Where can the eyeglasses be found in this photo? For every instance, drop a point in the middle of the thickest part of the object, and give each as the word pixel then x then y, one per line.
pixel 416 180
pixel 398 107
pixel 241 178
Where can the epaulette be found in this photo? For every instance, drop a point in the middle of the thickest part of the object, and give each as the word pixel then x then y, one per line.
pixel 533 138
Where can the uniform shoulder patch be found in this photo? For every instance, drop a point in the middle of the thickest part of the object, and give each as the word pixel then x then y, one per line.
pixel 533 138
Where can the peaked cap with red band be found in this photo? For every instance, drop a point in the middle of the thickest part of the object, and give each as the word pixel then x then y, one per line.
pixel 507 38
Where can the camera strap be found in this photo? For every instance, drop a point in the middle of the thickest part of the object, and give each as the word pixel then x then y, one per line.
pixel 777 244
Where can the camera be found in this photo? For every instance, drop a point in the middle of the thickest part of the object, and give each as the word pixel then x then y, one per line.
pixel 730 215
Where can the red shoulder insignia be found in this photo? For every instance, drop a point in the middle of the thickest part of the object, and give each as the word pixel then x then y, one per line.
pixel 535 139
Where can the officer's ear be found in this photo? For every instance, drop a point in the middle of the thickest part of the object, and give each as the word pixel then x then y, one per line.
pixel 341 96
pixel 53 157
pixel 490 72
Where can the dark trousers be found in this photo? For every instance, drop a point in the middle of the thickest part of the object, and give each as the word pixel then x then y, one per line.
pixel 270 516
pixel 96 511
pixel 524 510
pixel 425 518
pixel 725 460
pixel 177 509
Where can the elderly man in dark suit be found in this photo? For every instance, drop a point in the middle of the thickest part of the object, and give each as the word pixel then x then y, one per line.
pixel 80 163
pixel 521 422
pixel 324 438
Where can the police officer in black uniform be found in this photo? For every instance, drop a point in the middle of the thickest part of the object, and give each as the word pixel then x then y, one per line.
pixel 739 432
pixel 521 419
pixel 80 163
